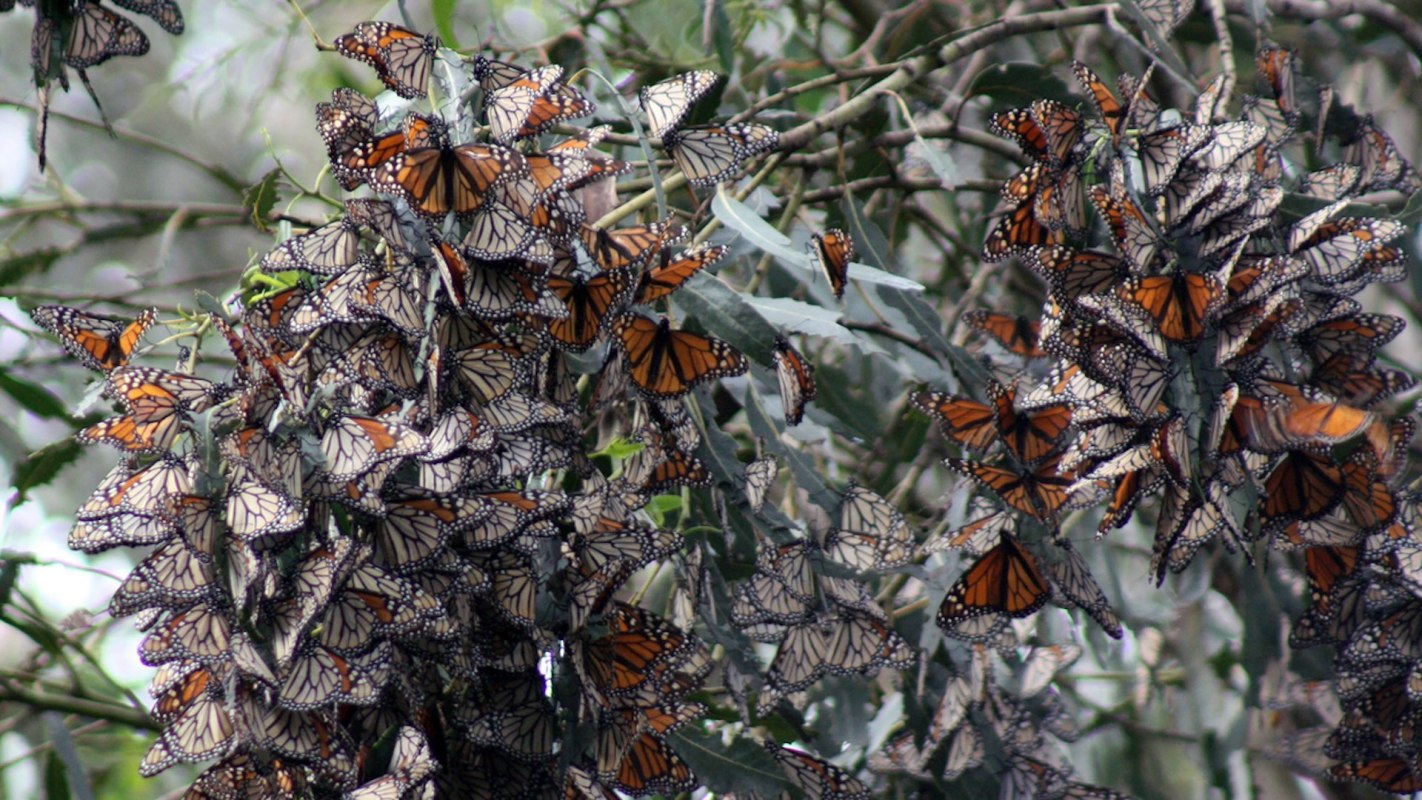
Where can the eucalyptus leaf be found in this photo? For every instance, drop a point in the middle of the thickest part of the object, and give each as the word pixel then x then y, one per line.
pixel 743 766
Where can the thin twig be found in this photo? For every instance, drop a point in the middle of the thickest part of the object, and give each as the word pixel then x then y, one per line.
pixel 215 172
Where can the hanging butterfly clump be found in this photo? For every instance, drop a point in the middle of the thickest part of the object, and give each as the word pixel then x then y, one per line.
pixel 383 541
pixel 1209 362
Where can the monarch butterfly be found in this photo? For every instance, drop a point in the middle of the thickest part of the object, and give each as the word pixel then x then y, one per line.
pixel 1229 142
pixel 1189 517
pixel 779 592
pixel 643 659
pixel 156 402
pixel 796 378
pixel 417 526
pixel 1382 163
pixel 1391 774
pixel 402 58
pixel 665 277
pixel 1276 67
pixel 150 490
pixel 1039 493
pixel 1181 304
pixel 346 122
pixel 620 248
pixel 380 217
pixel 832 250
pixel 1033 435
pixel 967 422
pixel 974 537
pixel 1073 577
pixel 100 343
pixel 1018 232
pixel 438 180
pixel 1333 250
pixel 1302 486
pixel 1042 665
pixel 1118 117
pixel 498 232
pixel 860 642
pixel 1130 228
pixel 1162 152
pixel 1072 273
pixel 318 677
pixel 1190 187
pixel 667 102
pixel 498 290
pixel 165 12
pixel 202 731
pixel 199 633
pixel 1305 415
pixel 633 755
pixel 667 363
pixel 611 542
pixel 1354 378
pixel 709 154
pixel 589 302
pixel 173 576
pixel 354 444
pixel 534 102
pixel 1004 583
pixel 411 765
pixel 353 164
pixel 817 778
pixel 258 512
pixel 758 477
pixel 328 250
pixel 96 34
pixel 1019 335
pixel 1048 132
pixel 871 534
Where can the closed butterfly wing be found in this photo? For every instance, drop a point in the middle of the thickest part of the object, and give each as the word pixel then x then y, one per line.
pixel 710 154
pixel 401 58
pixel 666 103
pixel 796 377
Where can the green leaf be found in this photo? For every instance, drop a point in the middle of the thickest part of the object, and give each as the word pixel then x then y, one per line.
pixel 723 38
pixel 727 314
pixel 743 766
pixel 797 316
pixel 76 781
pixel 743 220
pixel 9 570
pixel 12 270
pixel 260 198
pixel 1411 213
pixel 41 467
pixel 925 320
pixel 740 218
pixel 210 304
pixel 36 399
pixel 443 12
pixel 56 782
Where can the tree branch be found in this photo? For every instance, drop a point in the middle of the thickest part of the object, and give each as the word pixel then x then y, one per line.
pixel 96 709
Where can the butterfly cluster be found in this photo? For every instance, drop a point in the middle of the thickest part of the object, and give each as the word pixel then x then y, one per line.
pixel 369 540
pixel 79 34
pixel 1200 351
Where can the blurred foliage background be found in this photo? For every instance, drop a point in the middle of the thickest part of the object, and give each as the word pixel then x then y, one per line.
pixel 1183 706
